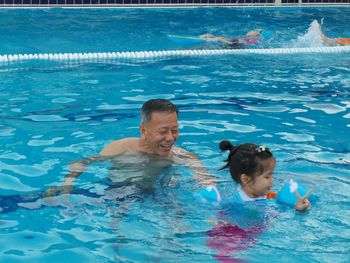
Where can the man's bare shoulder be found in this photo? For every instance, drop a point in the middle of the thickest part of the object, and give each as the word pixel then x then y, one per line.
pixel 120 146
pixel 184 153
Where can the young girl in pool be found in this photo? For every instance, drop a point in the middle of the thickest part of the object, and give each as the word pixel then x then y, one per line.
pixel 252 166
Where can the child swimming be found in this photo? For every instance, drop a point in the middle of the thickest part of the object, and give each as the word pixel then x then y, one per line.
pixel 252 166
pixel 252 37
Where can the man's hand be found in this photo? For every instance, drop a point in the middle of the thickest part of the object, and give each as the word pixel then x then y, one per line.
pixel 77 167
pixel 59 190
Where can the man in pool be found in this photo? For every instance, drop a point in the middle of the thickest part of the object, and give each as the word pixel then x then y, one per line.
pixel 250 38
pixel 136 163
pixel 140 161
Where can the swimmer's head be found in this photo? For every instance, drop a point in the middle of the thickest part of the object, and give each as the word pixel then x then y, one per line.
pixel 258 32
pixel 156 105
pixel 247 159
pixel 207 36
pixel 255 33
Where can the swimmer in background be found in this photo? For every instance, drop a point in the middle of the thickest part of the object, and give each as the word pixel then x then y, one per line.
pixel 340 41
pixel 250 38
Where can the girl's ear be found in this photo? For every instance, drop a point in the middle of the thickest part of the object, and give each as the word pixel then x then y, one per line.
pixel 245 179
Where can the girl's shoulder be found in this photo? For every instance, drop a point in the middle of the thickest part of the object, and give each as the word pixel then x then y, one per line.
pixel 240 197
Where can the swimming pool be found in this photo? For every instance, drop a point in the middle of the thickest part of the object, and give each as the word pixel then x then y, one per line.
pixel 54 112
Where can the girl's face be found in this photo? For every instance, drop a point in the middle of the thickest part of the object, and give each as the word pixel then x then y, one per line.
pixel 262 183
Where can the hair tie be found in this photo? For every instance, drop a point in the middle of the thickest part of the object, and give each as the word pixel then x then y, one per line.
pixel 261 149
pixel 232 148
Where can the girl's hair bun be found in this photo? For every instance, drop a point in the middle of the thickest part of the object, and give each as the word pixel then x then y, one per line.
pixel 225 146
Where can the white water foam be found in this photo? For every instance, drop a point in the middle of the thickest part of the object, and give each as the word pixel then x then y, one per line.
pixel 312 37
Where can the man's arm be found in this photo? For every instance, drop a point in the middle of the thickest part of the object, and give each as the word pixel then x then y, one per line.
pixel 210 191
pixel 78 167
pixel 113 149
pixel 201 174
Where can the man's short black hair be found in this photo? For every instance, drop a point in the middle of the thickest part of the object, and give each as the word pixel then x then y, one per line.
pixel 156 105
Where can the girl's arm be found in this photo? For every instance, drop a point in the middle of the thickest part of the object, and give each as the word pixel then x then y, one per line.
pixel 303 203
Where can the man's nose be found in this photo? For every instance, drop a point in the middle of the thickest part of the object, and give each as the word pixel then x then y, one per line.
pixel 170 136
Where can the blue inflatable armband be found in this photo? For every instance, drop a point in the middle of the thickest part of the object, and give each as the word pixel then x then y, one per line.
pixel 287 194
pixel 186 39
pixel 210 193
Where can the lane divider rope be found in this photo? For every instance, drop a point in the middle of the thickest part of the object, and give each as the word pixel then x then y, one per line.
pixel 168 53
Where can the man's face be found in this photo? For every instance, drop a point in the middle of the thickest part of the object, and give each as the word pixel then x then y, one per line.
pixel 161 132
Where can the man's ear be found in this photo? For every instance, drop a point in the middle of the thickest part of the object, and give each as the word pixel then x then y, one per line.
pixel 142 130
pixel 245 179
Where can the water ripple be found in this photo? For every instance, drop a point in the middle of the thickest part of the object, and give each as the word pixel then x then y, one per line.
pixel 34 170
pixel 9 182
pixel 43 118
pixel 291 137
pixel 44 142
pixel 327 108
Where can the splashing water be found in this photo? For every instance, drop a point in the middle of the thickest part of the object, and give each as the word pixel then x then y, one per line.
pixel 312 38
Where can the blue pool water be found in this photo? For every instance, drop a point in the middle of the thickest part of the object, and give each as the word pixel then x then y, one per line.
pixel 54 112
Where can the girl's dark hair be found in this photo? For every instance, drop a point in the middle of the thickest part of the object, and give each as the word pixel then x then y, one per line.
pixel 246 158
